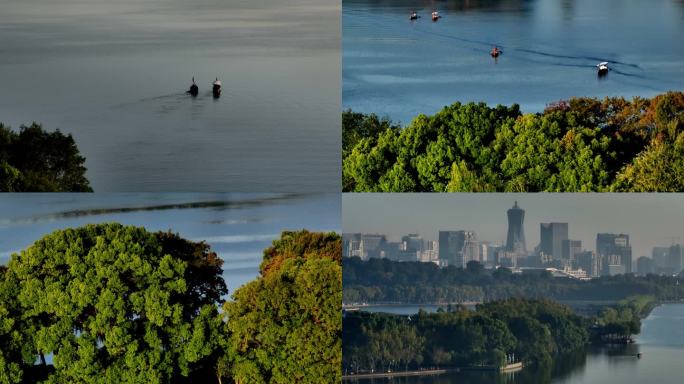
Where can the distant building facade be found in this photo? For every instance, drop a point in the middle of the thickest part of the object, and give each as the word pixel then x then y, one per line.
pixel 457 248
pixel 614 249
pixel 589 262
pixel 660 256
pixel 372 246
pixel 552 237
pixel 674 264
pixel 570 249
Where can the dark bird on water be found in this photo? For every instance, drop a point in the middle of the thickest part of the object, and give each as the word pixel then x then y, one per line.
pixel 194 89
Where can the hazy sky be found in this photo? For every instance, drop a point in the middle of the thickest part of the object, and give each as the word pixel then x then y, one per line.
pixel 649 219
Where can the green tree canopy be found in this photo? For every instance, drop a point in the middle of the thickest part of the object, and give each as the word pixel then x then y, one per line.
pixel 579 145
pixel 286 326
pixel 34 160
pixel 114 303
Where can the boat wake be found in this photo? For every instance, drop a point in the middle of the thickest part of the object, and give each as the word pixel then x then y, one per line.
pixel 522 53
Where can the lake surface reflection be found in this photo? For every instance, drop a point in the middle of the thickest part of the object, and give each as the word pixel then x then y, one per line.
pixel 400 68
pixel 114 74
pixel 661 342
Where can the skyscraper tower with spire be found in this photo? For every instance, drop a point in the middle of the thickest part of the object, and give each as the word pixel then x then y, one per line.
pixel 515 242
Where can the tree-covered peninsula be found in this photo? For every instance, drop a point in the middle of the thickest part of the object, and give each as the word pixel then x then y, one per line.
pixel 34 160
pixel 112 303
pixel 578 145
pixel 494 334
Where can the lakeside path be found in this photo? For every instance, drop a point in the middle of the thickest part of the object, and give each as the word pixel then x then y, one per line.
pixel 429 372
pixel 373 305
pixel 432 372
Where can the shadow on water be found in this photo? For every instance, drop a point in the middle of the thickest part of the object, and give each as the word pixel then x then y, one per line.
pixel 215 205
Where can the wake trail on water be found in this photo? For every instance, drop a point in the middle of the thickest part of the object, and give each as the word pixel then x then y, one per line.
pixel 578 61
pixel 171 102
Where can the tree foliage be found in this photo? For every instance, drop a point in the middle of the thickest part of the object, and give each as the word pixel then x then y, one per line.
pixel 383 280
pixel 114 303
pixel 34 160
pixel 530 330
pixel 579 145
pixel 286 326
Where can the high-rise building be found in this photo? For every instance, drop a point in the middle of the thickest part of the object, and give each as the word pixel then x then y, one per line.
pixel 515 241
pixel 398 252
pixel 351 243
pixel 611 244
pixel 660 256
pixel 571 248
pixel 372 246
pixel 674 260
pixel 552 237
pixel 589 262
pixel 457 248
pixel 412 242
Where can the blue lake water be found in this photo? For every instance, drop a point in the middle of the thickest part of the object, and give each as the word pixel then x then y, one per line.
pixel 114 73
pixel 661 342
pixel 237 226
pixel 400 68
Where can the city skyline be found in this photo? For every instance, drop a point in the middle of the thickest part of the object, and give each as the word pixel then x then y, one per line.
pixel 650 220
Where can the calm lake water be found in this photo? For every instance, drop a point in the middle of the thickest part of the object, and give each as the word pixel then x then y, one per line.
pixel 401 309
pixel 401 68
pixel 237 226
pixel 114 73
pixel 661 342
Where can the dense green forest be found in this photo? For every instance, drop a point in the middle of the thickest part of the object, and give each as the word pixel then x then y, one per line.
pixel 34 160
pixel 578 145
pixel 383 280
pixel 497 332
pixel 112 303
pixel 531 331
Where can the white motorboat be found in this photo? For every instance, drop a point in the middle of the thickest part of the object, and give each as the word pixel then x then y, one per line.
pixel 602 68
pixel 216 87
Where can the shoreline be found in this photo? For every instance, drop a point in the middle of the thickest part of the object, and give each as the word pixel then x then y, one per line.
pixel 513 367
pixel 395 304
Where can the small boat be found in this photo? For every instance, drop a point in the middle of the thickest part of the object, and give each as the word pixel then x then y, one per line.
pixel 602 68
pixel 495 52
pixel 435 16
pixel 194 89
pixel 413 15
pixel 638 355
pixel 216 88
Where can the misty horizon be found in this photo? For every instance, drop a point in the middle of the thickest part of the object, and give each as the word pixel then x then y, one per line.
pixel 650 220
